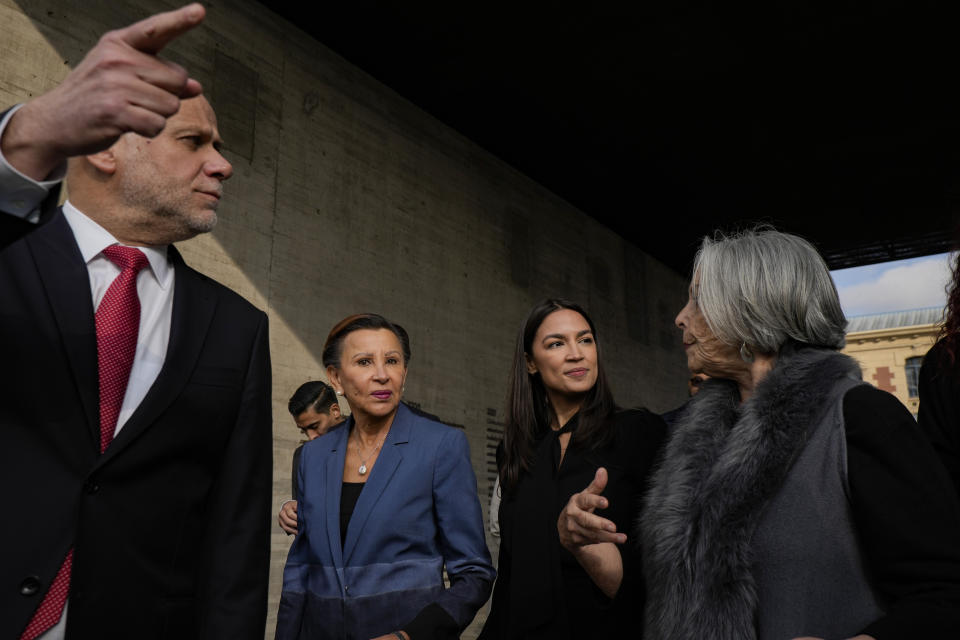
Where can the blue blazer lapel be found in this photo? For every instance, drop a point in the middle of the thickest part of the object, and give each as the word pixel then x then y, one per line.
pixel 333 480
pixel 380 476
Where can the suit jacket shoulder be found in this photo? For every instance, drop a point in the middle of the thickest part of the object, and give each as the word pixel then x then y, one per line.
pixel 234 302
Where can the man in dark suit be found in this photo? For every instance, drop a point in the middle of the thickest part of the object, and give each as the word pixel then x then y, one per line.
pixel 136 445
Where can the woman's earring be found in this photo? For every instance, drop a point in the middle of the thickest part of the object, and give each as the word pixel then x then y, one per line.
pixel 745 354
pixel 339 392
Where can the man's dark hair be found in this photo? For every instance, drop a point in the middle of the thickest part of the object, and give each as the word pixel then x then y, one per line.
pixel 316 394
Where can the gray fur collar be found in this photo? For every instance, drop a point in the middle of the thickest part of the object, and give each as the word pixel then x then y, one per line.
pixel 721 466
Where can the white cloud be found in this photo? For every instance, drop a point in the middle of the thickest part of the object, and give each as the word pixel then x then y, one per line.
pixel 911 286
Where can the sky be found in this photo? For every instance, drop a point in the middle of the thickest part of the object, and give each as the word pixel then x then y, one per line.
pixel 893 286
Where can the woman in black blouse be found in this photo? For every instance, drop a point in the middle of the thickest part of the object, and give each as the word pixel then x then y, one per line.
pixel 562 427
pixel 939 413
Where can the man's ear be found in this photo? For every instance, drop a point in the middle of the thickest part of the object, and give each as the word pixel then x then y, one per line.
pixel 105 161
pixel 335 410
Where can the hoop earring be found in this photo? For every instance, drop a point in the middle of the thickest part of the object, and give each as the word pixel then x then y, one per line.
pixel 745 354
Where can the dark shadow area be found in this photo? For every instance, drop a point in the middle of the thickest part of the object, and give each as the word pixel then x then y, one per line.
pixel 667 120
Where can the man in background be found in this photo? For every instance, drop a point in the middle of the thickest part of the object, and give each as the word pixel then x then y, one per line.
pixel 315 410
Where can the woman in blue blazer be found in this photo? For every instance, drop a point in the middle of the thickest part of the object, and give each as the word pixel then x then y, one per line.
pixel 388 499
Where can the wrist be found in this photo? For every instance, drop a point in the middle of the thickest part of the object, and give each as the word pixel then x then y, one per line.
pixel 25 146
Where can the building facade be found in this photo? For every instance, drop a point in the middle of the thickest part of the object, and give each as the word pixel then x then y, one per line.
pixel 890 349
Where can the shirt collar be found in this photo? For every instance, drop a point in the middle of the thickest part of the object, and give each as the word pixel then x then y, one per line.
pixel 93 239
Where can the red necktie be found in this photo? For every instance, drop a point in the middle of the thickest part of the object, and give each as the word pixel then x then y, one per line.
pixel 118 324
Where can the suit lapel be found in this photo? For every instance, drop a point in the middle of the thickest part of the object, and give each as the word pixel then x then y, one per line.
pixel 333 473
pixel 193 307
pixel 383 471
pixel 67 284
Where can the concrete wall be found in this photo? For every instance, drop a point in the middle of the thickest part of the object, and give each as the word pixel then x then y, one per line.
pixel 347 198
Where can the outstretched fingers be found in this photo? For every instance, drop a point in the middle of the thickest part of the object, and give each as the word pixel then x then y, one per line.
pixel 578 525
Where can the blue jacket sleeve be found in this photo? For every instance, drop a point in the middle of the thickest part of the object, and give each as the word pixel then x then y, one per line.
pixel 462 542
pixel 293 596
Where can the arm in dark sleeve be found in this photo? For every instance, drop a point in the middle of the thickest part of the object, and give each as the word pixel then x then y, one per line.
pixel 24 203
pixel 462 543
pixel 234 584
pixel 907 517
pixel 649 434
pixel 939 413
pixel 294 473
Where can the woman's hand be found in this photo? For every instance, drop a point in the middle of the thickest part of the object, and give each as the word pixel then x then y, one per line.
pixel 392 636
pixel 591 538
pixel 287 518
pixel 578 526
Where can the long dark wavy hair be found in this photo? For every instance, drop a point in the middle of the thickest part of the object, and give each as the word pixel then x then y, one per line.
pixel 950 333
pixel 529 412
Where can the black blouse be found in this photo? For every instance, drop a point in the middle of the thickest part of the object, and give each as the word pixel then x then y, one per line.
pixel 541 590
pixel 907 516
pixel 939 413
pixel 349 494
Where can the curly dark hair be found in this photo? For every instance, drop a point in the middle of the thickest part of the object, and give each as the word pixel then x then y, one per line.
pixel 950 333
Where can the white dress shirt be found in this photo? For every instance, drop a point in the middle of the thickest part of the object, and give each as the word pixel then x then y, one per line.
pixel 22 196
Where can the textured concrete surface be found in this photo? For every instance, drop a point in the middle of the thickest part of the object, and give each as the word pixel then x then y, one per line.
pixel 347 198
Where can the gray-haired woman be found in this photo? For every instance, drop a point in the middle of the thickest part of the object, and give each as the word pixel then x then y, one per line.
pixel 794 500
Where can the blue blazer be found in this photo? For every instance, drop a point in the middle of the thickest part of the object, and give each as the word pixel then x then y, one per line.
pixel 418 513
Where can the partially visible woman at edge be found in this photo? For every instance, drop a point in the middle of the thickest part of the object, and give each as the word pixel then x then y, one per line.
pixel 562 431
pixel 939 412
pixel 794 500
pixel 388 500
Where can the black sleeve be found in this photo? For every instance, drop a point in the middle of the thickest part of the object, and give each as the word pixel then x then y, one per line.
pixel 432 623
pixel 907 516
pixel 295 468
pixel 630 460
pixel 939 413
pixel 236 576
pixel 651 430
pixel 13 227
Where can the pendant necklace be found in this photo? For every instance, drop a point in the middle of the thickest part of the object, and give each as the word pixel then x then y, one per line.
pixel 362 469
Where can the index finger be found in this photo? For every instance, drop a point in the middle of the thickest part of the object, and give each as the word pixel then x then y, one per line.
pixel 152 34
pixel 586 501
